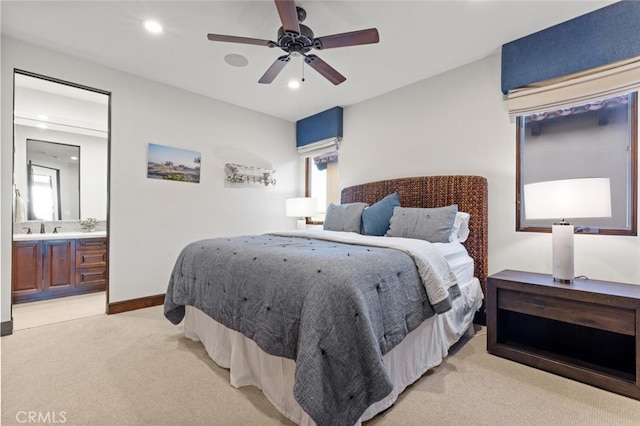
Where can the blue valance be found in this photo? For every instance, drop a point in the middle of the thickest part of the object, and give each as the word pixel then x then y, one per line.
pixel 323 126
pixel 604 36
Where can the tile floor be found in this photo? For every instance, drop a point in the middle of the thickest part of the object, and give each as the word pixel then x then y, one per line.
pixel 34 314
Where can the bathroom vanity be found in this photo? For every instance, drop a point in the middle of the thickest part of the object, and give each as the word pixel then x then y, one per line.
pixel 54 265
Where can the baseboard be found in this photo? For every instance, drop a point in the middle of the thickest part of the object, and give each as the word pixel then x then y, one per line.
pixel 6 328
pixel 133 304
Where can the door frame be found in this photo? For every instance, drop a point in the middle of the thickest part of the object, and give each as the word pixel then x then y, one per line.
pixel 8 329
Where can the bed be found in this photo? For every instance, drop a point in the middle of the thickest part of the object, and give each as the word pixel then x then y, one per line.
pixel 352 328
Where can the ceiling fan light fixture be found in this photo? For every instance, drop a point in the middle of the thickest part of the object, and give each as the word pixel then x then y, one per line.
pixel 152 26
pixel 298 40
pixel 293 84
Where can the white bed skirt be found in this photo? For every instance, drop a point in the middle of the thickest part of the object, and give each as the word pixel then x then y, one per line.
pixel 422 349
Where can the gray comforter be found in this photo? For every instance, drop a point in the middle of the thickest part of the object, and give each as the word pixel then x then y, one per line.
pixel 334 308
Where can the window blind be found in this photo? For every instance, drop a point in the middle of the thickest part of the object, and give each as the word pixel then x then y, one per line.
pixel 576 89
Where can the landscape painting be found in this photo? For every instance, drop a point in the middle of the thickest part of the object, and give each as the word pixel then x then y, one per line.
pixel 170 163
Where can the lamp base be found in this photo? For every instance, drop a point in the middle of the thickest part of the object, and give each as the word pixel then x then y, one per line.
pixel 301 223
pixel 562 235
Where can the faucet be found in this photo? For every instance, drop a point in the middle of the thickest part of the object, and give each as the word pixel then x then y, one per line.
pixel 55 230
pixel 28 230
pixel 42 228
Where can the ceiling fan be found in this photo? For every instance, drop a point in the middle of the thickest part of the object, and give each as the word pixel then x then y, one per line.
pixel 297 40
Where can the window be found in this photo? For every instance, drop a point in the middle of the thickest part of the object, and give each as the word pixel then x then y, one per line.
pixel 322 182
pixel 598 139
pixel 44 193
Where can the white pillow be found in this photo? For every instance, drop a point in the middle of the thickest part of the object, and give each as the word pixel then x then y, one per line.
pixel 460 229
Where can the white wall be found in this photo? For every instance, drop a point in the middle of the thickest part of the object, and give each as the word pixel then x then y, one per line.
pixel 151 220
pixel 455 123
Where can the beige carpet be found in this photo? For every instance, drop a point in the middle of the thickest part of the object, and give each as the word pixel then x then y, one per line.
pixel 138 369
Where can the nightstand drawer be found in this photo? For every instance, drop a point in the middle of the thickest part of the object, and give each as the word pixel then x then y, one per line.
pixel 603 317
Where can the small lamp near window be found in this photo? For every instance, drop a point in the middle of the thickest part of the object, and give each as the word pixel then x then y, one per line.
pixel 301 208
pixel 566 199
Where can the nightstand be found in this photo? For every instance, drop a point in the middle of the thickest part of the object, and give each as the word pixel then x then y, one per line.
pixel 587 330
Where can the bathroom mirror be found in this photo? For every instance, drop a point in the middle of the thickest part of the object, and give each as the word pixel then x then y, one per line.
pixel 53 181
pixel 60 150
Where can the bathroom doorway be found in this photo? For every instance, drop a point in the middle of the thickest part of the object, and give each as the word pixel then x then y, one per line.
pixel 60 223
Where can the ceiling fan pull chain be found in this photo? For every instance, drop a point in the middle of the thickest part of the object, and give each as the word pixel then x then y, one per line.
pixel 302 71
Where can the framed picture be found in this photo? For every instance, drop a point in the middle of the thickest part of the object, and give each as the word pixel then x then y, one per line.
pixel 170 163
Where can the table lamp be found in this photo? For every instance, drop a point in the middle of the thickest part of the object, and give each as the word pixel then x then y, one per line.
pixel 301 208
pixel 566 199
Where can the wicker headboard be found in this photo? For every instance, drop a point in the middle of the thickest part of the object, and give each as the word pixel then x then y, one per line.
pixel 468 192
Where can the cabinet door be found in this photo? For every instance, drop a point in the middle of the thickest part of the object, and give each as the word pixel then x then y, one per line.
pixel 59 265
pixel 26 277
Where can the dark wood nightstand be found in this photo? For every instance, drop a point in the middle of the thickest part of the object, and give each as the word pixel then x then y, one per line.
pixel 587 330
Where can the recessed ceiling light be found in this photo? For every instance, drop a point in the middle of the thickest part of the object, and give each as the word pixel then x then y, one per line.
pixel 236 60
pixel 74 157
pixel 42 117
pixel 153 26
pixel 42 125
pixel 294 84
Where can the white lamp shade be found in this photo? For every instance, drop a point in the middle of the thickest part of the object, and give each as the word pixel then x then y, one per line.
pixel 301 207
pixel 568 199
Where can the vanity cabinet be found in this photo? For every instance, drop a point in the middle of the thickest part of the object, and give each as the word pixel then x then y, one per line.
pixel 44 269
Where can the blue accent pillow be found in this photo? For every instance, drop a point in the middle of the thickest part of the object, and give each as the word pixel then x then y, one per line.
pixel 376 218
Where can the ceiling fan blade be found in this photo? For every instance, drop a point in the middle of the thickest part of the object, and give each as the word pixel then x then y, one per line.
pixel 274 70
pixel 288 15
pixel 325 69
pixel 353 38
pixel 234 39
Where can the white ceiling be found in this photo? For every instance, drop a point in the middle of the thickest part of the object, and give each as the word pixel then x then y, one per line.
pixel 418 39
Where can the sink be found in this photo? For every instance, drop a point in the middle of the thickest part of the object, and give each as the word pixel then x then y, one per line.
pixel 59 235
